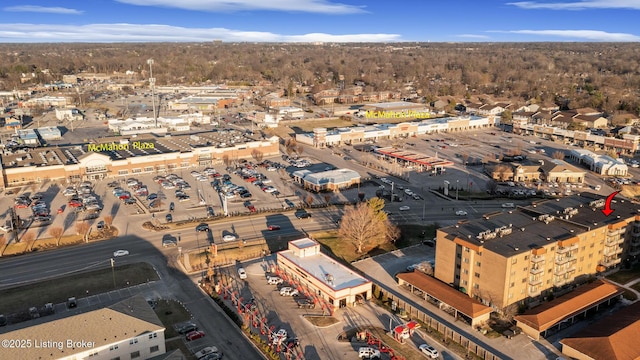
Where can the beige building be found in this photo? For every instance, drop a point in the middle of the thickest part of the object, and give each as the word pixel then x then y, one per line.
pixel 129 156
pixel 521 256
pixel 129 329
pixel 321 277
pixel 559 171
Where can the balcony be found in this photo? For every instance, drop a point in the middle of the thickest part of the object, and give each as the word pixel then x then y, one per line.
pixel 534 282
pixel 537 270
pixel 566 249
pixel 614 241
pixel 560 281
pixel 560 260
pixel 540 259
pixel 564 270
pixel 616 232
pixel 611 262
pixel 535 291
pixel 613 251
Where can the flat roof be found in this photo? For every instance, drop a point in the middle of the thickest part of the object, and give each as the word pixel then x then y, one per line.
pixel 413 157
pixel 547 315
pixel 572 215
pixel 445 293
pixel 326 270
pixel 303 243
pixel 613 337
pixel 336 176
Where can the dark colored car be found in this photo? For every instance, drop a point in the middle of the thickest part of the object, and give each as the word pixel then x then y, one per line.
pixel 172 206
pixel 306 304
pixel 169 218
pixel 187 328
pixel 274 227
pixel 303 215
pixel 203 227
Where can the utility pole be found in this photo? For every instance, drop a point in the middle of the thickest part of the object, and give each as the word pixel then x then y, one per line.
pixel 152 83
pixel 113 272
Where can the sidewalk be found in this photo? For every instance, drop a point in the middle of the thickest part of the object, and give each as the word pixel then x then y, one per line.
pixel 628 285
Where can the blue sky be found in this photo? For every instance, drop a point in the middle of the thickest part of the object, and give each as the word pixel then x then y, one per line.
pixel 318 20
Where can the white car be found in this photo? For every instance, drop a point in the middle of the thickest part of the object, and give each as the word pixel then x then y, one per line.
pixel 288 291
pixel 229 237
pixel 242 273
pixel 408 192
pixel 206 351
pixel 404 208
pixel 120 253
pixel 429 351
pixel 461 213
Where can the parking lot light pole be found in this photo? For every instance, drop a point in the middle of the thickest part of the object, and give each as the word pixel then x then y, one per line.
pixel 113 272
pixel 457 186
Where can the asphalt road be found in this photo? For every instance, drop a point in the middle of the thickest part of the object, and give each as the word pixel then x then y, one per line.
pixel 220 331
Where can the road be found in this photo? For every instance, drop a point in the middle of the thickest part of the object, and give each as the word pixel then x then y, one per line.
pixel 219 329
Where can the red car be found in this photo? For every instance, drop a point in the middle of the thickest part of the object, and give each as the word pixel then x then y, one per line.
pixel 124 196
pixel 22 206
pixel 274 227
pixel 194 335
pixel 75 204
pixel 251 208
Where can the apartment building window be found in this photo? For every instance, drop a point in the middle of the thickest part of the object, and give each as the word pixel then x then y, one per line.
pixel 466 272
pixel 154 335
pixel 135 354
pixel 510 295
pixel 172 166
pixel 524 280
pixel 553 248
pixel 123 172
pixel 457 277
pixel 464 282
pixel 526 268
pixel 133 341
pixel 466 260
pixel 512 285
pixel 592 245
pixel 526 257
pixel 136 171
pixel 148 168
pixel 514 260
pixel 478 263
pixel 476 286
pixel 466 249
pixel 154 348
pixel 113 347
pixel 477 275
pixel 590 256
pixel 583 248
pixel 581 258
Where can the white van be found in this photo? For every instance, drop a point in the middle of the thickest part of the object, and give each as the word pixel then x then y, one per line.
pixel 274 280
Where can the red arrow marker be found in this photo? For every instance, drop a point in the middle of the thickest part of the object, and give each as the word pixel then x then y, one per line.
pixel 607 205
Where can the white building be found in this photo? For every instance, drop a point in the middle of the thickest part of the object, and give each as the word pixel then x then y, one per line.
pixel 129 329
pixel 320 277
pixel 600 164
pixel 291 112
pixel 68 114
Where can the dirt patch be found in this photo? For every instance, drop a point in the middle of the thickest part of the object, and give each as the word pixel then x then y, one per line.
pixel 170 313
pixel 322 321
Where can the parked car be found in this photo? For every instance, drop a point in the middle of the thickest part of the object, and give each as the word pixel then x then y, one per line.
pixel 187 328
pixel 169 218
pixel 274 280
pixel 288 291
pixel 306 304
pixel 194 335
pixel 229 237
pixel 303 215
pixel 209 350
pixel 368 353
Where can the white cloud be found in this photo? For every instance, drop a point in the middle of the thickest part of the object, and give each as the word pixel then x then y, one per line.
pixel 157 33
pixel 43 9
pixel 591 35
pixel 473 36
pixel 580 5
pixel 311 6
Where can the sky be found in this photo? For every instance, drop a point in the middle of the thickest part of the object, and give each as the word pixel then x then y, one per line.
pixel 51 21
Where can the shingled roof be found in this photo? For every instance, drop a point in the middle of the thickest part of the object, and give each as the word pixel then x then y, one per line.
pixel 545 316
pixel 445 293
pixel 614 337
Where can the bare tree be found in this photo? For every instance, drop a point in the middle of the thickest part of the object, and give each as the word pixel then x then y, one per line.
pixel 30 239
pixel 492 186
pixel 365 228
pixel 56 233
pixel 327 198
pixel 558 155
pixel 82 228
pixel 257 155
pixel 309 200
pixel 108 220
pixel 226 160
